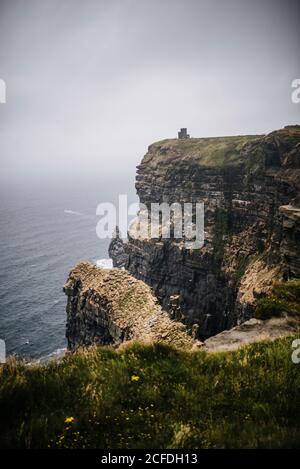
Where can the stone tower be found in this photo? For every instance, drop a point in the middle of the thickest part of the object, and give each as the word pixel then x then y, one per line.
pixel 182 134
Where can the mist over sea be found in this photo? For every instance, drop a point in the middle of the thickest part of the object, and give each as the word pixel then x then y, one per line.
pixel 46 228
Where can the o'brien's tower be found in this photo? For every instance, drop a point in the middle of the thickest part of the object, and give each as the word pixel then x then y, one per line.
pixel 182 134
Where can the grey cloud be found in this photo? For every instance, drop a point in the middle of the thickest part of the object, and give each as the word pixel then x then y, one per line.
pixel 91 83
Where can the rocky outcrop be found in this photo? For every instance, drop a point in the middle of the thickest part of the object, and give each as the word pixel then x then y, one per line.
pixel 253 330
pixel 116 250
pixel 109 307
pixel 250 186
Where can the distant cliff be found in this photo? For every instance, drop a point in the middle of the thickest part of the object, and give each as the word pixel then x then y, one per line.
pixel 250 186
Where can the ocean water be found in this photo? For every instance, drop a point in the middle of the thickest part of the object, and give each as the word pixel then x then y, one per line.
pixel 45 229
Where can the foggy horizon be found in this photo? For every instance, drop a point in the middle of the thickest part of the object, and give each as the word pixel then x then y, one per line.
pixel 91 84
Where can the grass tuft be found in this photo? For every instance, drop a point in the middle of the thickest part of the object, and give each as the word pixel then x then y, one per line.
pixel 285 298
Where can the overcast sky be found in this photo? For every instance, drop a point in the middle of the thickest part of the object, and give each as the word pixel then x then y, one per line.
pixel 91 83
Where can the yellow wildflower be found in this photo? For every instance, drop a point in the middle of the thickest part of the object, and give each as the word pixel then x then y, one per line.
pixel 69 419
pixel 135 378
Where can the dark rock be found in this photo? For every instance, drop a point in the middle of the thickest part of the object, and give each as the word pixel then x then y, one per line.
pixel 116 251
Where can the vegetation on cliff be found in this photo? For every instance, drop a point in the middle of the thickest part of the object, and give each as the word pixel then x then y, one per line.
pixel 285 299
pixel 227 150
pixel 210 151
pixel 154 396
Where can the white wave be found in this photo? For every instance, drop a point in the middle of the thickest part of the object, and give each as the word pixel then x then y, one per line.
pixel 104 263
pixel 59 351
pixel 56 354
pixel 72 212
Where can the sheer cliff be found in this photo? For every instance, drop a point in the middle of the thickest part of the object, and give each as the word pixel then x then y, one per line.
pixel 250 186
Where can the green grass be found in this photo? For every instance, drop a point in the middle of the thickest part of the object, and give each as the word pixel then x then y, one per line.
pixel 285 298
pixel 211 151
pixel 241 265
pixel 154 397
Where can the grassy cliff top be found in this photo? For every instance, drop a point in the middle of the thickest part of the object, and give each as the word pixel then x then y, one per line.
pixel 210 151
pixel 214 151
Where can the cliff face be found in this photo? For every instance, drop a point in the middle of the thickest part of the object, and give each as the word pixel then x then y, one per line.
pixel 250 187
pixel 109 307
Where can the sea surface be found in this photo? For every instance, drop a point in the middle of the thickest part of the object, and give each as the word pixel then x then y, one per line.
pixel 45 229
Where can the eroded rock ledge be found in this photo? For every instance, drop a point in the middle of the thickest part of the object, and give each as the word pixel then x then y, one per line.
pixel 109 306
pixel 254 330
